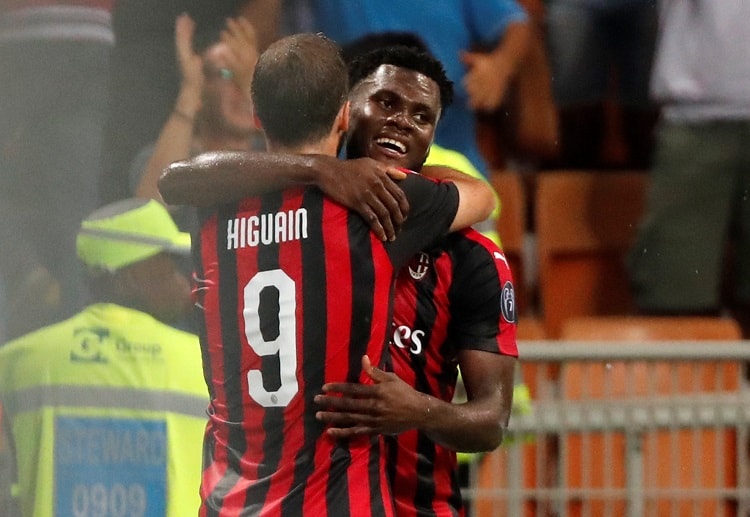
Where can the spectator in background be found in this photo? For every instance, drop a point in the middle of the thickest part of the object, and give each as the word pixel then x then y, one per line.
pixel 481 43
pixel 213 110
pixel 522 134
pixel 144 81
pixel 107 408
pixel 699 197
pixel 53 57
pixel 600 54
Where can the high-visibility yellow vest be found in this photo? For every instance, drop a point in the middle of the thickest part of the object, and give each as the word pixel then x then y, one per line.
pixel 455 160
pixel 107 412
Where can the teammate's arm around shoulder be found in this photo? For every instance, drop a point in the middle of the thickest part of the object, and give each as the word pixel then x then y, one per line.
pixel 363 185
pixel 476 199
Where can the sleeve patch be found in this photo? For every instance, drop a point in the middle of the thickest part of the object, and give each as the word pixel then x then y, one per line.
pixel 508 303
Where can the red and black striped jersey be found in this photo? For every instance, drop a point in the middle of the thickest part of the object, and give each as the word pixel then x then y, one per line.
pixel 293 289
pixel 458 295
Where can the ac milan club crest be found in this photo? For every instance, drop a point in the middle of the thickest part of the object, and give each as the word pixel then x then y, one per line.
pixel 419 265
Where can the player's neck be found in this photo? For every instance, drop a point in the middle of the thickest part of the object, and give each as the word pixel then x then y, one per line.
pixel 326 146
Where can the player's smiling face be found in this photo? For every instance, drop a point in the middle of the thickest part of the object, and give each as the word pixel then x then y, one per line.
pixel 393 117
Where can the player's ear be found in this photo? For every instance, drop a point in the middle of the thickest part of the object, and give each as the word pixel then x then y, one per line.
pixel 342 119
pixel 257 123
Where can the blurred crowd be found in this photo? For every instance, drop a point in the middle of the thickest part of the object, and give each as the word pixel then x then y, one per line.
pixel 99 96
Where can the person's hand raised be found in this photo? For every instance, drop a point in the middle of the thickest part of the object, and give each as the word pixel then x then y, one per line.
pixel 191 64
pixel 486 80
pixel 239 36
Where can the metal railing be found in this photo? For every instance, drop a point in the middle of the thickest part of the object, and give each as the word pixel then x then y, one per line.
pixel 626 429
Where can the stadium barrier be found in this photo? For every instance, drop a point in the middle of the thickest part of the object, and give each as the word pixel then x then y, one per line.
pixel 627 429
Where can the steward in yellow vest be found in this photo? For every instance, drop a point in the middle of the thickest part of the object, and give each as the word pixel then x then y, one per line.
pixel 106 410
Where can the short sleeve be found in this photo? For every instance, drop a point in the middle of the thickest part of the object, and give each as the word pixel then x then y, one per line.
pixel 433 207
pixel 482 298
pixel 490 18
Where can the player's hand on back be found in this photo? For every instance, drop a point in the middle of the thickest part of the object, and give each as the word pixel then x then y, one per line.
pixel 389 406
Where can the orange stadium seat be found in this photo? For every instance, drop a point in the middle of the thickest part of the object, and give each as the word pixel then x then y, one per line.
pixel 585 224
pixel 673 459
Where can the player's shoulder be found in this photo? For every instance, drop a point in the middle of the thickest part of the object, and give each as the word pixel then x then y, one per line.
pixel 417 178
pixel 430 197
pixel 472 249
pixel 472 241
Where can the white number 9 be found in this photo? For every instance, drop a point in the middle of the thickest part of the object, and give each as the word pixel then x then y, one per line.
pixel 285 343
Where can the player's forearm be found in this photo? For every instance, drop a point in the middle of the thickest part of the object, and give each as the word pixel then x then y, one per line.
pixel 476 199
pixel 223 177
pixel 469 427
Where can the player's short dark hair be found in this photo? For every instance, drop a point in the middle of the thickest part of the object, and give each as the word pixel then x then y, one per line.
pixel 402 56
pixel 377 40
pixel 299 86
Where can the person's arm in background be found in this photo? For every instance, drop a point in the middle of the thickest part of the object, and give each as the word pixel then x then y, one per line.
pixel 534 8
pixel 176 137
pixel 239 35
pixel 265 17
pixel 489 73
